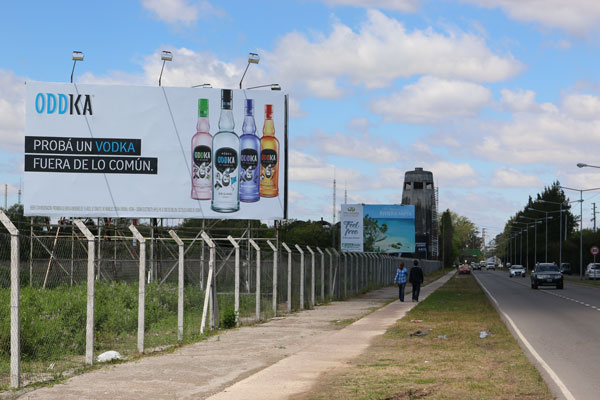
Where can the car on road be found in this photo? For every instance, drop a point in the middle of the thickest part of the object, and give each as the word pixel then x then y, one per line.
pixel 476 266
pixel 565 268
pixel 490 265
pixel 516 270
pixel 546 274
pixel 592 271
pixel 464 269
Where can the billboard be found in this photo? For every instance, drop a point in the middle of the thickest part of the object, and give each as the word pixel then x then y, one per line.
pixel 386 228
pixel 140 151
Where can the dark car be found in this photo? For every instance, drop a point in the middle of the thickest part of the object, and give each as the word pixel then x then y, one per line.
pixel 565 268
pixel 546 274
pixel 476 266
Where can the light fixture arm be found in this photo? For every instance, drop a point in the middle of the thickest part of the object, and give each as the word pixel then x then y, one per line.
pixel 161 72
pixel 73 70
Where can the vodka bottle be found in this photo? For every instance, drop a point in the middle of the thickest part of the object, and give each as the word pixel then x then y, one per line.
pixel 226 161
pixel 249 157
pixel 269 154
pixel 202 155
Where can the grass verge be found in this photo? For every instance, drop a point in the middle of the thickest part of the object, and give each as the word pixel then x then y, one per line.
pixel 575 279
pixel 450 362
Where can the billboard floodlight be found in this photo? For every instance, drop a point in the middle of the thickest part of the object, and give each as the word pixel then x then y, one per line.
pixel 253 58
pixel 164 56
pixel 77 56
pixel 273 86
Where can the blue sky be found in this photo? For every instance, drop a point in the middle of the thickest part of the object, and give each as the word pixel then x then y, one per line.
pixel 497 98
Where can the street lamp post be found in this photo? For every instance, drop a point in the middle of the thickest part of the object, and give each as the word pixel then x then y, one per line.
pixel 581 218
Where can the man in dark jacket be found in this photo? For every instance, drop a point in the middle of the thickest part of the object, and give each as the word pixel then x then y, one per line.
pixel 416 279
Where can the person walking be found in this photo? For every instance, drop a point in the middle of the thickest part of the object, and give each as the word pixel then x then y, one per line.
pixel 416 279
pixel 400 280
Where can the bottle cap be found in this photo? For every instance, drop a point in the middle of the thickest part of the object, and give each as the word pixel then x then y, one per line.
pixel 202 107
pixel 226 96
pixel 249 105
pixel 268 111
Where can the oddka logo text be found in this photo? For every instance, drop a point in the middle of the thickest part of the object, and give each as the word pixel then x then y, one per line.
pixel 59 103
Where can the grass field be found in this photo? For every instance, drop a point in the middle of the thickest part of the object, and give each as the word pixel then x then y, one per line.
pixel 450 362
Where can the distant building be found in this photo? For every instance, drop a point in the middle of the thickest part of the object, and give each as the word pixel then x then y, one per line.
pixel 419 191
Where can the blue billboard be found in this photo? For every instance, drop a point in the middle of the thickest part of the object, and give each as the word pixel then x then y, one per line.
pixel 389 228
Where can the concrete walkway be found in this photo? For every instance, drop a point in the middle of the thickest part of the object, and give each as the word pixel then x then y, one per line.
pixel 274 360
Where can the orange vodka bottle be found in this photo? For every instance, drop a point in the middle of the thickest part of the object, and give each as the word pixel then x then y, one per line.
pixel 269 157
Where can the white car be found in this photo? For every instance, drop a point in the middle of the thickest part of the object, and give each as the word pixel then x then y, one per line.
pixel 592 271
pixel 516 270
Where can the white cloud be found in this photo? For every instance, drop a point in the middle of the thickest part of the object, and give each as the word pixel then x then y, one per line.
pixel 509 177
pixel 365 147
pixel 181 11
pixel 12 111
pixel 300 159
pixel 398 5
pixel 432 100
pixel 582 106
pixel 379 52
pixel 519 101
pixel 573 16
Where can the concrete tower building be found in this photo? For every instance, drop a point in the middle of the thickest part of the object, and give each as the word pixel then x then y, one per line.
pixel 419 191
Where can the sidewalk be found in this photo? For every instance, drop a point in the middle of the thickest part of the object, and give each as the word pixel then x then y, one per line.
pixel 276 359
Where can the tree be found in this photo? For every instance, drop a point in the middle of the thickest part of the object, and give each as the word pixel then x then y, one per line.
pixel 373 233
pixel 446 236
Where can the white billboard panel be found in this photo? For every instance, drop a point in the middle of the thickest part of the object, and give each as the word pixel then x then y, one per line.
pixel 133 151
pixel 352 228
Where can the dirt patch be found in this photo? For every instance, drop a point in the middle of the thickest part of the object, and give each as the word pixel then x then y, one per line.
pixel 410 395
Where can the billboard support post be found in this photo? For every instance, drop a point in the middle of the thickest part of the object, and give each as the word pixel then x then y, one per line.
pixel 289 277
pixel 179 284
pixel 312 277
pixel 301 276
pixel 236 294
pixel 257 248
pixel 141 287
pixel 274 276
pixel 15 323
pixel 209 281
pixel 345 274
pixel 89 324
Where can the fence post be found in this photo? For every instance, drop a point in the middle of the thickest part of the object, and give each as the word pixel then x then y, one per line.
pixel 141 287
pixel 257 248
pixel 322 274
pixel 301 276
pixel 89 325
pixel 289 277
pixel 330 272
pixel 312 277
pixel 180 283
pixel 275 252
pixel 345 275
pixel 15 323
pixel 209 285
pixel 236 294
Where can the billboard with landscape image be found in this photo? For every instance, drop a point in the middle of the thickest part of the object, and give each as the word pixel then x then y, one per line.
pixel 382 228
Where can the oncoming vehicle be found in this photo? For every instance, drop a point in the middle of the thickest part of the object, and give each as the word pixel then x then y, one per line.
pixel 546 274
pixel 592 271
pixel 516 270
pixel 565 268
pixel 476 266
pixel 490 265
pixel 464 269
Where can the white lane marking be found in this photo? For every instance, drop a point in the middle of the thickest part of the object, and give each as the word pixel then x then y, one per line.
pixel 560 295
pixel 530 348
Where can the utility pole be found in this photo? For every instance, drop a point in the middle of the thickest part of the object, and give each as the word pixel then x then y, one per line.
pixel 483 239
pixel 594 215
pixel 333 219
pixel 5 196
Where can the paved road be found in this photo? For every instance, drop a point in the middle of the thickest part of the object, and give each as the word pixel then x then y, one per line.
pixel 562 326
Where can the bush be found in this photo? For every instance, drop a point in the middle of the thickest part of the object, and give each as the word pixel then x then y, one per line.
pixel 229 319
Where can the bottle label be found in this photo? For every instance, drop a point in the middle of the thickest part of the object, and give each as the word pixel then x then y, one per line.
pixel 268 158
pixel 249 159
pixel 226 162
pixel 202 159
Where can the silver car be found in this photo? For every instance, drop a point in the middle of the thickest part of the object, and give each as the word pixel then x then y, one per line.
pixel 592 271
pixel 516 270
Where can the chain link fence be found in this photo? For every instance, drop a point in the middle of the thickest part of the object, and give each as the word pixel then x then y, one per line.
pixel 54 296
